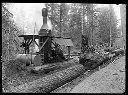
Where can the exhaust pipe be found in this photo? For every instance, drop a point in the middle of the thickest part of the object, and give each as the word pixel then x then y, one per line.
pixel 43 38
pixel 44 14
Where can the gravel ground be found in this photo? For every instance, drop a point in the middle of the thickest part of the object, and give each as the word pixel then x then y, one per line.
pixel 110 79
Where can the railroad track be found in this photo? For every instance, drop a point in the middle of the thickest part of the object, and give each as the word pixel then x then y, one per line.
pixel 70 85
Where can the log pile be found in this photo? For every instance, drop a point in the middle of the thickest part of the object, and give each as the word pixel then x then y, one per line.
pixel 93 60
pixel 50 82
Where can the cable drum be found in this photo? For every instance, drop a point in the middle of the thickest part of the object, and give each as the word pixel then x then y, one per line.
pixel 26 59
pixel 37 60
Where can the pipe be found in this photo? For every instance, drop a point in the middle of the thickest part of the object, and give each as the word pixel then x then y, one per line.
pixel 44 14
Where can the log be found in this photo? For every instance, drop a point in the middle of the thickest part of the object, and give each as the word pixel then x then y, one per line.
pixel 43 69
pixel 52 66
pixel 50 82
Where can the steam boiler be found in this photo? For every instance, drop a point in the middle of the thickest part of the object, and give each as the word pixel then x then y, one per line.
pixel 49 51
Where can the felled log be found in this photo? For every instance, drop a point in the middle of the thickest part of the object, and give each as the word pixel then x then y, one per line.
pixel 93 60
pixel 118 52
pixel 51 67
pixel 50 82
pixel 44 69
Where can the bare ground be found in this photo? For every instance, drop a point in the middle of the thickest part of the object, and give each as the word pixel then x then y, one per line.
pixel 110 79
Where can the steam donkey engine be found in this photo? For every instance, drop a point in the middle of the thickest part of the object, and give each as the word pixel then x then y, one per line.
pixel 47 53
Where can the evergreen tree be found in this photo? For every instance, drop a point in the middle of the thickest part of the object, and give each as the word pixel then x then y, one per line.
pixel 107 25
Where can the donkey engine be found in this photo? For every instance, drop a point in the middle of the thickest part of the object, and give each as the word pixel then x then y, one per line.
pixel 49 50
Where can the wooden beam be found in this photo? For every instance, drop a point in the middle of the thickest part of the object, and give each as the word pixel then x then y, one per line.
pixel 25 46
pixel 36 43
pixel 68 51
pixel 30 42
pixel 43 44
pixel 27 40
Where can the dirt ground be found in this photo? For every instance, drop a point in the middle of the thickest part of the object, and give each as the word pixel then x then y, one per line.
pixel 110 79
pixel 107 79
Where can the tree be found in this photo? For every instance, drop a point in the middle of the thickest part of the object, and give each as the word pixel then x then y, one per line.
pixel 75 25
pixel 54 15
pixel 113 23
pixel 90 12
pixel 107 25
pixel 10 40
pixel 70 20
pixel 84 43
pixel 123 23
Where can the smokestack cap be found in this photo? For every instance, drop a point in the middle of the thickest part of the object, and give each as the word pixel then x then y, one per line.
pixel 44 12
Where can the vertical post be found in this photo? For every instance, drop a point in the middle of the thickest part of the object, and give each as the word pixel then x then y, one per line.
pixel 110 26
pixel 92 23
pixel 123 23
pixel 90 14
pixel 8 45
pixel 25 46
pixel 52 15
pixel 82 16
pixel 68 51
pixel 60 19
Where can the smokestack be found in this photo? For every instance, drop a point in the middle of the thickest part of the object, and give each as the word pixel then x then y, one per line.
pixel 44 32
pixel 44 14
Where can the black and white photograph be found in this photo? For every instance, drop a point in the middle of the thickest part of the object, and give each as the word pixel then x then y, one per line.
pixel 63 48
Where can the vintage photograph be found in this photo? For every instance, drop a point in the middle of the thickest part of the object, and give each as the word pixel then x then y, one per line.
pixel 63 48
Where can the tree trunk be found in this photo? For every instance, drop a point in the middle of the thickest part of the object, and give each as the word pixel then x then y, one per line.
pixel 123 22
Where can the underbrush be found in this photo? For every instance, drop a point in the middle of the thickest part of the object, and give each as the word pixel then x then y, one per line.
pixel 50 82
pixel 93 60
pixel 17 76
